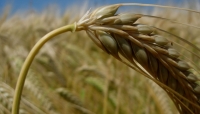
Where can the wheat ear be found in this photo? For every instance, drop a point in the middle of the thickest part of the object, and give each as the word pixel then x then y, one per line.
pixel 138 47
pixel 6 99
pixel 151 54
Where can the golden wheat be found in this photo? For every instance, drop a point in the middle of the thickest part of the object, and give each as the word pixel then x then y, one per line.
pixel 6 99
pixel 151 54
pixel 60 63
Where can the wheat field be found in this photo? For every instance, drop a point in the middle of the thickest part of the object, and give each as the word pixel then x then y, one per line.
pixel 71 75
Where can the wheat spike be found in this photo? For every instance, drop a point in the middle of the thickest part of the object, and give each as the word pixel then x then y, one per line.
pixel 74 101
pixel 68 96
pixel 34 87
pixel 6 99
pixel 151 54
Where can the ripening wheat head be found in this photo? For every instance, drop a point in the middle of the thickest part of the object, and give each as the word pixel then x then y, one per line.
pixel 140 48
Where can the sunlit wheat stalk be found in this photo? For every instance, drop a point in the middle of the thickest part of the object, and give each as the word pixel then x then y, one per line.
pixel 137 46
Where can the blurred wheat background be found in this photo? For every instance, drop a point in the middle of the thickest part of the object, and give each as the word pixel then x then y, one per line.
pixel 71 75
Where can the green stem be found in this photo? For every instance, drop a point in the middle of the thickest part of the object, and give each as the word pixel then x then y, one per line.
pixel 28 61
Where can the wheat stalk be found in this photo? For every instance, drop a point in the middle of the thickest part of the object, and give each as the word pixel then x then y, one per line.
pixel 137 46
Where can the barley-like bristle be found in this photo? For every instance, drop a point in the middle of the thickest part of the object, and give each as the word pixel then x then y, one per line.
pixel 118 33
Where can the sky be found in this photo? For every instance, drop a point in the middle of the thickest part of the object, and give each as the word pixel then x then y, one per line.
pixel 38 5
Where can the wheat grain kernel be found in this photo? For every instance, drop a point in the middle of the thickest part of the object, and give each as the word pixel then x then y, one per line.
pixel 141 56
pixel 105 11
pixel 197 89
pixel 192 77
pixel 173 53
pixel 144 29
pixel 124 46
pixel 163 73
pixel 183 65
pixel 127 18
pixel 160 40
pixel 108 41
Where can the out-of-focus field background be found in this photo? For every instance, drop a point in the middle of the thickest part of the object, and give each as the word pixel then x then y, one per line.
pixel 71 75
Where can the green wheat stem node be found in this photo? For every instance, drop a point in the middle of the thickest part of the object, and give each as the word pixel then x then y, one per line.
pixel 29 59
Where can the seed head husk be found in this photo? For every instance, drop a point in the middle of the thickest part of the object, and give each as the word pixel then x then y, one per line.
pixel 173 53
pixel 163 73
pixel 172 82
pixel 141 55
pixel 192 77
pixel 124 46
pixel 127 18
pixel 153 64
pixel 144 29
pixel 108 41
pixel 96 41
pixel 160 40
pixel 183 65
pixel 105 11
pixel 197 89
